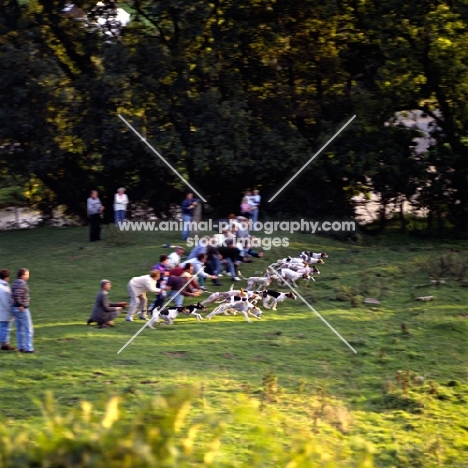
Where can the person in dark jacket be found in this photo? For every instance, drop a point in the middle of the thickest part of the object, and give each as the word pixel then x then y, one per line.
pixel 94 208
pixel 23 322
pixel 187 207
pixel 176 283
pixel 104 312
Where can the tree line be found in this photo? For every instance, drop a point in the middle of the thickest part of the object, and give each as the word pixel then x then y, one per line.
pixel 236 94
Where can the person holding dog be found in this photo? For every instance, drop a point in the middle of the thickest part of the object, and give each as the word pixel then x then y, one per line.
pixel 137 287
pixel 104 312
pixel 176 283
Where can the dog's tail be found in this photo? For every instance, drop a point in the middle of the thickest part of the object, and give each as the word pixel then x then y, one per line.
pixel 241 275
pixel 270 274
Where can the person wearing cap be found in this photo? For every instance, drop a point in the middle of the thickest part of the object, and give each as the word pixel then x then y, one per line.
pixel 120 206
pixel 174 257
pixel 137 287
pixel 176 283
pixel 104 312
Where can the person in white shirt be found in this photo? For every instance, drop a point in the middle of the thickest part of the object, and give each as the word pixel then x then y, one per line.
pixel 174 257
pixel 137 287
pixel 120 206
pixel 255 202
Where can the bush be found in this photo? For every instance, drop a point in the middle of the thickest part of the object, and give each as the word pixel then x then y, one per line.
pixel 161 434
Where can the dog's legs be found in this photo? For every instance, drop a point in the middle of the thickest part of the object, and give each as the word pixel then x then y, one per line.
pixel 154 318
pixel 209 299
pixel 254 315
pixel 217 311
pixel 246 316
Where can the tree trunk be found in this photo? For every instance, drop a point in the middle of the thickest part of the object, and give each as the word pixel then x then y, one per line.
pixel 383 215
pixel 402 215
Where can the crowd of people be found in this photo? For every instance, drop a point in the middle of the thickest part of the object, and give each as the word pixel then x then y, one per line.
pixel 213 257
pixel 249 209
pixel 14 307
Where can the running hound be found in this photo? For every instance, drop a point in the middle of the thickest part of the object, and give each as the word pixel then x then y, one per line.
pixel 307 254
pixel 169 314
pixel 292 276
pixel 272 298
pixel 259 281
pixel 244 305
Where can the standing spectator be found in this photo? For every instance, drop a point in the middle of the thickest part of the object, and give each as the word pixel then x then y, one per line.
pixel 255 202
pixel 174 257
pixel 120 206
pixel 23 322
pixel 5 311
pixel 246 208
pixel 104 312
pixel 187 214
pixel 137 287
pixel 95 209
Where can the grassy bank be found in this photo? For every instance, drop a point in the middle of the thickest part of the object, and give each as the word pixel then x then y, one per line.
pixel 405 391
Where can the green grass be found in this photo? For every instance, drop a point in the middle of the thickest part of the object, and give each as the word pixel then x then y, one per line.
pixel 323 388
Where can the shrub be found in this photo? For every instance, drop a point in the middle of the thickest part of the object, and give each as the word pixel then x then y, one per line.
pixel 163 433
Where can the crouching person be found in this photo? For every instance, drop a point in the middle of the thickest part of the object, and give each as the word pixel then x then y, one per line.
pixel 104 312
pixel 180 283
pixel 137 287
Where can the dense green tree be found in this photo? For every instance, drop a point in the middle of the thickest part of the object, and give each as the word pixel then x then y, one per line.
pixel 236 95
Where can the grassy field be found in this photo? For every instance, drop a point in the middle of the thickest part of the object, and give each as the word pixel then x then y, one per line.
pixel 405 391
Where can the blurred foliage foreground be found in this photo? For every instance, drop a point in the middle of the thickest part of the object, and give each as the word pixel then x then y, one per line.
pixel 166 432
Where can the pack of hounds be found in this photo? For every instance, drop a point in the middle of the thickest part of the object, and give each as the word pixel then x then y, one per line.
pixel 288 270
